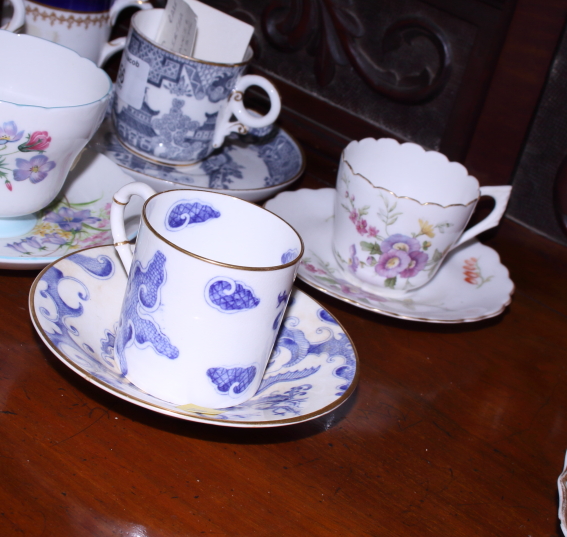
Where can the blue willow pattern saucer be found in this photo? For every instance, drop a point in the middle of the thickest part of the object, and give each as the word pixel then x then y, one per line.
pixel 75 305
pixel 252 167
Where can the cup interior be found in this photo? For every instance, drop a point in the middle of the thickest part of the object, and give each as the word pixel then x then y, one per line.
pixel 222 229
pixel 36 72
pixel 407 170
pixel 147 23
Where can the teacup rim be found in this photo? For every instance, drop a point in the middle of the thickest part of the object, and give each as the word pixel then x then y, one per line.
pixel 409 198
pixel 80 58
pixel 158 235
pixel 249 51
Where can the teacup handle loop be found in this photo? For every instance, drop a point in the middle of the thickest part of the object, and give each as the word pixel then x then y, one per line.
pixel 119 202
pixel 18 19
pixel 245 119
pixel 500 194
pixel 118 44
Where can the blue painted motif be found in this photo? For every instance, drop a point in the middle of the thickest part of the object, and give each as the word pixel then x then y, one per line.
pixel 64 334
pixel 290 255
pixel 141 298
pixel 277 320
pixel 282 298
pixel 185 213
pixel 221 168
pixel 231 381
pixel 107 347
pixel 229 296
pixel 298 345
pixel 324 315
pixel 100 267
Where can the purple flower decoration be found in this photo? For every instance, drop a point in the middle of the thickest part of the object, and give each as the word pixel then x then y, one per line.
pixel 18 246
pixel 392 263
pixel 353 261
pixel 70 220
pixel 9 133
pixel 53 238
pixel 417 263
pixel 400 242
pixel 34 169
pixel 32 241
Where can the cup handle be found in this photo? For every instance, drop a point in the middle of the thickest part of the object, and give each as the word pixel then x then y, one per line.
pixel 18 19
pixel 119 202
pixel 111 48
pixel 245 119
pixel 119 5
pixel 500 194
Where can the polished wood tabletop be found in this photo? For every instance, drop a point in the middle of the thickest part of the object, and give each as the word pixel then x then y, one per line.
pixel 456 430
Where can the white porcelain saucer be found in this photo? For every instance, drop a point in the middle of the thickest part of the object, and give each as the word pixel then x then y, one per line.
pixel 253 167
pixel 562 488
pixel 471 284
pixel 78 218
pixel 75 306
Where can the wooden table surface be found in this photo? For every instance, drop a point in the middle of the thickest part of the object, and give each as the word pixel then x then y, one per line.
pixel 453 430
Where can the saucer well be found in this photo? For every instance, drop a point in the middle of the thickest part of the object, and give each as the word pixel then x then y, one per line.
pixel 75 305
pixel 252 167
pixel 78 218
pixel 472 284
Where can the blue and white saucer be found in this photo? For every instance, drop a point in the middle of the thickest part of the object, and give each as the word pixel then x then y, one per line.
pixel 78 218
pixel 75 306
pixel 253 167
pixel 472 284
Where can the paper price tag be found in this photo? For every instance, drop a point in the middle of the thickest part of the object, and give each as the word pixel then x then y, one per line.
pixel 131 80
pixel 178 28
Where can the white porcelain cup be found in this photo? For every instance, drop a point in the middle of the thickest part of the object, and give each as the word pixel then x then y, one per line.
pixel 82 25
pixel 175 109
pixel 208 284
pixel 399 210
pixel 46 118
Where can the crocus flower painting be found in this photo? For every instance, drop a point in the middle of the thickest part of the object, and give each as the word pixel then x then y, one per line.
pixel 64 227
pixel 35 169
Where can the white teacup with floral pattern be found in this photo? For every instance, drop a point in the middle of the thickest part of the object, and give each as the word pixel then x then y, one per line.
pixel 51 103
pixel 399 210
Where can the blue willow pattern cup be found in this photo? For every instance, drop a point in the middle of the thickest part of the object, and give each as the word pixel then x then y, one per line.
pixel 176 109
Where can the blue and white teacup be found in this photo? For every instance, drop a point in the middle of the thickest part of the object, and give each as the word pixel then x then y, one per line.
pixel 208 285
pixel 81 25
pixel 175 109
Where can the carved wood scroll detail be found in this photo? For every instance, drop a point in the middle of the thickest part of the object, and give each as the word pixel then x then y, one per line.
pixel 330 32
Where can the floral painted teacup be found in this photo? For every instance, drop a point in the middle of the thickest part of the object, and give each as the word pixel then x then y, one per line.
pixel 399 210
pixel 208 285
pixel 45 124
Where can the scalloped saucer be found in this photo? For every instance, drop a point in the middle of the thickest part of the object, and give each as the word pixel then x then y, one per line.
pixel 472 284
pixel 78 218
pixel 75 305
pixel 252 167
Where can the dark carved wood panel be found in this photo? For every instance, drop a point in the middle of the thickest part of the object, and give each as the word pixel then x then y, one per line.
pixel 413 69
pixel 541 175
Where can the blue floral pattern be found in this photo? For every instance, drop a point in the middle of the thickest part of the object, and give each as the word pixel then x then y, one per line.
pixel 187 213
